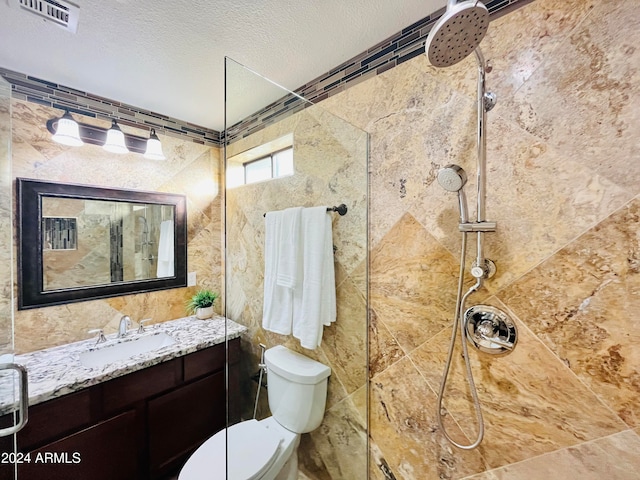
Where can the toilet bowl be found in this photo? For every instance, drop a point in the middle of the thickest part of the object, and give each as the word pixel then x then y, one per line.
pixel 267 449
pixel 257 450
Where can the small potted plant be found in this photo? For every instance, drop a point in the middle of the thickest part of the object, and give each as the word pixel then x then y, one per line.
pixel 202 303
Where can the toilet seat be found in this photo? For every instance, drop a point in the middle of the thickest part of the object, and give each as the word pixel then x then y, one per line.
pixel 254 447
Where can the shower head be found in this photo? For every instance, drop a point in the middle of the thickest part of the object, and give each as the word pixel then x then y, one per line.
pixel 452 178
pixel 457 33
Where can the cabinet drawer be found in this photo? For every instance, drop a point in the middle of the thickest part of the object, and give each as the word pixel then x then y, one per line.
pixel 204 362
pixel 55 418
pixel 210 360
pixel 124 391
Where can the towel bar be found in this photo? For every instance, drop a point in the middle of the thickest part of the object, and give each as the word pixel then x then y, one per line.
pixel 341 209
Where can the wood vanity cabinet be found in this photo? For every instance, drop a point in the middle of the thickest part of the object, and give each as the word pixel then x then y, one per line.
pixel 139 426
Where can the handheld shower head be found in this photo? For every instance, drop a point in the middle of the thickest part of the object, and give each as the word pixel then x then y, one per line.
pixel 453 178
pixel 457 33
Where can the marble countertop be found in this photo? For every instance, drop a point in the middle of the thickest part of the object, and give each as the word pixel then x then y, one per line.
pixel 57 371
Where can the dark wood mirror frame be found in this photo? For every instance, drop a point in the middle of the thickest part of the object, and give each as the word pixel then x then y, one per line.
pixel 30 258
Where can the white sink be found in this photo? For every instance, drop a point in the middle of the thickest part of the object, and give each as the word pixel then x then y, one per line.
pixel 124 349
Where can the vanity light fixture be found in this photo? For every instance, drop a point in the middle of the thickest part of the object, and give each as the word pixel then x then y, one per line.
pixel 154 147
pixel 115 140
pixel 67 131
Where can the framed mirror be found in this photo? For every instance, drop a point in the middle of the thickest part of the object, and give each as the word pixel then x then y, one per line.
pixel 80 242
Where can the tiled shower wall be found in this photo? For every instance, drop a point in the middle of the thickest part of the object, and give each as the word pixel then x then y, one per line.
pixel 563 185
pixel 191 169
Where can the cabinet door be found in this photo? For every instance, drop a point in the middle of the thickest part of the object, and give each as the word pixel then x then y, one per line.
pixel 106 451
pixel 182 420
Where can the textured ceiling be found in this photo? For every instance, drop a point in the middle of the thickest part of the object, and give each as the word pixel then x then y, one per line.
pixel 168 57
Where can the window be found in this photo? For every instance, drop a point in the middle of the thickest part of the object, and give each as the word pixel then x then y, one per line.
pixel 265 162
pixel 274 165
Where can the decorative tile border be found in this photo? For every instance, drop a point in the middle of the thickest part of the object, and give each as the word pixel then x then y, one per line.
pixel 50 94
pixel 393 51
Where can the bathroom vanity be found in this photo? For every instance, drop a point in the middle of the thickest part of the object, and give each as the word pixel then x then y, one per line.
pixel 136 419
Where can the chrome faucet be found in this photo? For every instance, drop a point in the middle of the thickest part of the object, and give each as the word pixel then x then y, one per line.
pixel 125 323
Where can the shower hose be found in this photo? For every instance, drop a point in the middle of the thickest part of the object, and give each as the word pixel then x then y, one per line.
pixel 460 302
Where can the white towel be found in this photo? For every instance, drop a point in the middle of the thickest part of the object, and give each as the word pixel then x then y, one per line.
pixel 288 248
pixel 315 303
pixel 277 307
pixel 165 250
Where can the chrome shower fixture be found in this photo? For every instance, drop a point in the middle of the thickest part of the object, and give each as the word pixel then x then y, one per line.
pixel 490 330
pixel 453 179
pixel 457 33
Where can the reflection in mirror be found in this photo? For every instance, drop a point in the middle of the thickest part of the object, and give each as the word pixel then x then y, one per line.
pixel 97 242
pixel 79 242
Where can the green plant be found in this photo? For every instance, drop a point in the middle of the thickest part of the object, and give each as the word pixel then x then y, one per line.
pixel 202 299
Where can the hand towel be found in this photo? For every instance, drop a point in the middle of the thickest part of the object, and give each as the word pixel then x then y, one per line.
pixel 165 250
pixel 314 304
pixel 277 307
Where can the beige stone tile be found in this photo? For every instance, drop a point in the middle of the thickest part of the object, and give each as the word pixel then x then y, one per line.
pixel 47 327
pixel 345 341
pixel 531 402
pixel 583 304
pixel 614 458
pixel 412 283
pixel 29 124
pixel 403 426
pixel 591 78
pixel 518 43
pixel 338 448
pixel 383 348
pixel 405 163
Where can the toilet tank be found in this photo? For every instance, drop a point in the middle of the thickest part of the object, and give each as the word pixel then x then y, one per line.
pixel 297 389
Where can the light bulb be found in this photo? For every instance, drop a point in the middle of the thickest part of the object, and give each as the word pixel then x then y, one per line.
pixel 154 147
pixel 115 140
pixel 67 131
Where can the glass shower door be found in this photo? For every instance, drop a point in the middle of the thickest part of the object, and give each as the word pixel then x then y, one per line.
pixel 282 151
pixel 13 377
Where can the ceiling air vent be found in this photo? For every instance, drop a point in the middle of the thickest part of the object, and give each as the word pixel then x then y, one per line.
pixel 63 14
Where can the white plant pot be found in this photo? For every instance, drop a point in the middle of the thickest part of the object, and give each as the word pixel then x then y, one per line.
pixel 204 313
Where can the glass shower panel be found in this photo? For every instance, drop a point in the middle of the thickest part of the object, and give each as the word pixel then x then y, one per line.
pixel 329 169
pixel 12 377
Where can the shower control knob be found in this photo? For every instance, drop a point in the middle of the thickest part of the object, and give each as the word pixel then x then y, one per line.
pixel 490 330
pixel 477 271
pixel 487 270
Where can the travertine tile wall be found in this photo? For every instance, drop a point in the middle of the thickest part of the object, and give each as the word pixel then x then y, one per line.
pixel 563 185
pixel 330 161
pixel 191 169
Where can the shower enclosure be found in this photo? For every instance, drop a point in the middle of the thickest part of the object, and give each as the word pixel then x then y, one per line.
pixel 265 125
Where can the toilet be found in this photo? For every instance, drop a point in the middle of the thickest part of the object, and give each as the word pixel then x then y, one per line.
pixel 268 449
